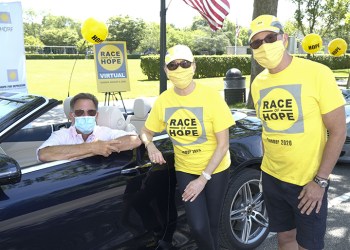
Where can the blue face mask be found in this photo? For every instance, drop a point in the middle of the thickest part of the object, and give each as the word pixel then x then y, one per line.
pixel 85 124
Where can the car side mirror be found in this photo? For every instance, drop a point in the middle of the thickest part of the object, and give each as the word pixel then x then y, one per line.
pixel 10 172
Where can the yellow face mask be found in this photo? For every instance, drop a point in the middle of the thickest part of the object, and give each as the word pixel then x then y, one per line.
pixel 269 55
pixel 181 77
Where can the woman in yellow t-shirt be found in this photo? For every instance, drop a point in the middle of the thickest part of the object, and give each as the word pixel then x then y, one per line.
pixel 200 136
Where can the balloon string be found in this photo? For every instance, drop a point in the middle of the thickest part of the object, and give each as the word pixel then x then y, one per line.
pixel 71 73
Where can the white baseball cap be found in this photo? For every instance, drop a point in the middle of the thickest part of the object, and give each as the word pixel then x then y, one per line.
pixel 178 52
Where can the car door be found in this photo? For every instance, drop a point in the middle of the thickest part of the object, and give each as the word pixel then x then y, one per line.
pixel 121 201
pixel 93 203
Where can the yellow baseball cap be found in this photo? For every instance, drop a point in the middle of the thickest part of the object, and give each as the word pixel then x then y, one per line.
pixel 265 23
pixel 178 52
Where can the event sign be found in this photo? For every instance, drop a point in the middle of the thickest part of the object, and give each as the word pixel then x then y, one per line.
pixel 12 54
pixel 111 67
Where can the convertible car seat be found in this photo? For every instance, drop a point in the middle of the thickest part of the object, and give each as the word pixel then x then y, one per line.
pixel 141 110
pixel 66 106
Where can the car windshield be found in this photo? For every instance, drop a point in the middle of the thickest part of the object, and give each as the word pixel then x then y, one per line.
pixel 14 107
pixel 11 101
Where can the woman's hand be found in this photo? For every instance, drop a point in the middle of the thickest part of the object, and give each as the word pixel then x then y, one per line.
pixel 154 154
pixel 194 188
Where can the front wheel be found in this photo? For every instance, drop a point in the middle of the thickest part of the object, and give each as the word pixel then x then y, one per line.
pixel 244 220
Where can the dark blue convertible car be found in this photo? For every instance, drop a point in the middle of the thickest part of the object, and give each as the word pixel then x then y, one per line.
pixel 118 202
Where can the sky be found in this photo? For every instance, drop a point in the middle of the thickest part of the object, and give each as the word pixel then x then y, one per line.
pixel 178 13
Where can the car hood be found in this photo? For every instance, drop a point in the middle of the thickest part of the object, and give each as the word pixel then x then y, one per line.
pixel 347 113
pixel 17 110
pixel 239 114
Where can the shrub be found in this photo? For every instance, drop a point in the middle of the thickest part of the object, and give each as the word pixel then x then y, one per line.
pixel 207 66
pixel 55 56
pixel 217 66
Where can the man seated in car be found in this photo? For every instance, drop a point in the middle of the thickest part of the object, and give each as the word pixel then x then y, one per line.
pixel 84 138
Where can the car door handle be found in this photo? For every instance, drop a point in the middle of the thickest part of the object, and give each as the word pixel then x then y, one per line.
pixel 135 169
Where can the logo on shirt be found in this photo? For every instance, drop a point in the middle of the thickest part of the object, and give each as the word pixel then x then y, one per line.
pixel 185 125
pixel 280 109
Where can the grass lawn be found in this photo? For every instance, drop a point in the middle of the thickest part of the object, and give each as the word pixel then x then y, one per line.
pixel 342 72
pixel 51 78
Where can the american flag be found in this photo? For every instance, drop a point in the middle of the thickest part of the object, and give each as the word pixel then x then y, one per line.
pixel 214 11
pixel 238 30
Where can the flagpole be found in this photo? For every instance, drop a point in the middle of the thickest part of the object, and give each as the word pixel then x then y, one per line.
pixel 162 78
pixel 236 37
pixel 235 44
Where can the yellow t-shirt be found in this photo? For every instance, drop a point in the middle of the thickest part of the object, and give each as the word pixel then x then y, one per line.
pixel 191 122
pixel 290 105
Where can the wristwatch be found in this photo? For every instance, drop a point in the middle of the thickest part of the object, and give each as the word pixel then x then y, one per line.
pixel 206 176
pixel 321 182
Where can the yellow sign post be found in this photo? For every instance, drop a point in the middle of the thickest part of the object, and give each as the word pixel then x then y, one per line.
pixel 111 67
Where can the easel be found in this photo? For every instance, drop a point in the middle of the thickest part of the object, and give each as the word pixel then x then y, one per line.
pixel 108 96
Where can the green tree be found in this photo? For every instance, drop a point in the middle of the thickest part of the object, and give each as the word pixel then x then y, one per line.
pixel 204 40
pixel 59 22
pixel 126 29
pixel 84 47
pixel 199 23
pixel 291 28
pixel 151 39
pixel 215 45
pixel 243 36
pixel 229 29
pixel 260 7
pixel 180 36
pixel 59 37
pixel 31 25
pixel 323 17
pixel 347 37
pixel 33 44
pixel 346 34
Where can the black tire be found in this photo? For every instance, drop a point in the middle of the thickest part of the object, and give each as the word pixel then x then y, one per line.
pixel 243 212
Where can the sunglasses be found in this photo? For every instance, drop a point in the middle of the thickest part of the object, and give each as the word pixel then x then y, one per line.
pixel 174 65
pixel 81 112
pixel 270 38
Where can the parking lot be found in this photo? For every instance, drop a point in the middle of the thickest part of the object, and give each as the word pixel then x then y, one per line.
pixel 338 230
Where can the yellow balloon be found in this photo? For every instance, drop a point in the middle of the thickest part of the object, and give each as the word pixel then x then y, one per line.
pixel 312 43
pixel 94 31
pixel 337 47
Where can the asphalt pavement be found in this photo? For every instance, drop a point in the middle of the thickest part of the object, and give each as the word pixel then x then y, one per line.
pixel 338 221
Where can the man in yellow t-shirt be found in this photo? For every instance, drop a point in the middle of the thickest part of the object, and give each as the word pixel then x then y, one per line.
pixel 197 120
pixel 298 101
